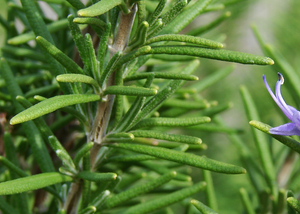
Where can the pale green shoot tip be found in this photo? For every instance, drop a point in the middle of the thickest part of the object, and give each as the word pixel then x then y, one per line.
pixel 227 13
pixel 193 201
pixel 270 61
pixel 13 121
pixel 145 23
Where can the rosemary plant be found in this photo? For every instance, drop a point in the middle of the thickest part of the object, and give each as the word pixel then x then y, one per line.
pixel 94 98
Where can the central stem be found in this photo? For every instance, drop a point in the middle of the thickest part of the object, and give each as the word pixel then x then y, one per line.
pixel 99 127
pixel 105 108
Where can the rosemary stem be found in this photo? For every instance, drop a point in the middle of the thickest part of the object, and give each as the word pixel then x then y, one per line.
pixel 105 108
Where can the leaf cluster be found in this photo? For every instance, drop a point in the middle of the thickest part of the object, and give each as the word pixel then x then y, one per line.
pixel 109 77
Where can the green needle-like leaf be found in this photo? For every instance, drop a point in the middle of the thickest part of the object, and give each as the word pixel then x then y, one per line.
pixel 93 64
pixel 100 199
pixel 42 90
pixel 246 201
pixel 185 38
pixel 68 110
pixel 186 17
pixel 162 75
pixel 32 183
pixel 121 136
pixel 290 209
pixel 288 141
pixel 52 104
pixel 218 54
pixel 130 90
pixel 168 16
pixel 281 201
pixel 135 108
pixel 166 200
pixel 88 210
pixel 141 35
pixel 77 78
pixel 102 49
pixel 21 173
pixel 53 27
pixel 181 157
pixel 174 58
pixel 260 142
pixel 44 128
pixel 217 6
pixel 169 137
pixel 202 208
pixel 86 148
pixel 205 28
pixel 97 177
pixel 11 154
pixel 61 152
pixel 23 52
pixel 38 147
pixel 110 67
pixel 294 203
pixel 12 167
pixel 128 57
pixel 39 28
pixel 130 158
pixel 28 79
pixel 63 59
pixel 138 190
pixel 163 94
pixel 172 122
pixel 90 20
pixel 162 170
pixel 80 43
pixel 76 4
pixel 99 8
pixel 210 190
pixel 158 10
pixel 26 64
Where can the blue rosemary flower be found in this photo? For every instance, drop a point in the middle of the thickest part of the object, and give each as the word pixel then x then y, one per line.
pixel 290 112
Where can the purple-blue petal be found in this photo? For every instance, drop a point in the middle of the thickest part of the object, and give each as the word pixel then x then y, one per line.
pixel 296 119
pixel 285 129
pixel 270 91
pixel 284 107
pixel 292 109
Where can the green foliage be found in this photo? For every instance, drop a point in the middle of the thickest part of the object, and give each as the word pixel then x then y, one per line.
pixel 101 93
pixel 32 183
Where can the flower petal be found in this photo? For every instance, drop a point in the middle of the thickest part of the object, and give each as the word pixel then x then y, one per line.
pixel 296 119
pixel 285 129
pixel 292 109
pixel 270 91
pixel 285 108
pixel 272 94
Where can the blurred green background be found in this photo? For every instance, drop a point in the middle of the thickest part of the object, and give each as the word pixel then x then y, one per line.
pixel 278 22
pixel 3 13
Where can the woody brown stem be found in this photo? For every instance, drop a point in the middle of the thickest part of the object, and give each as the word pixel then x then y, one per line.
pixel 104 110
